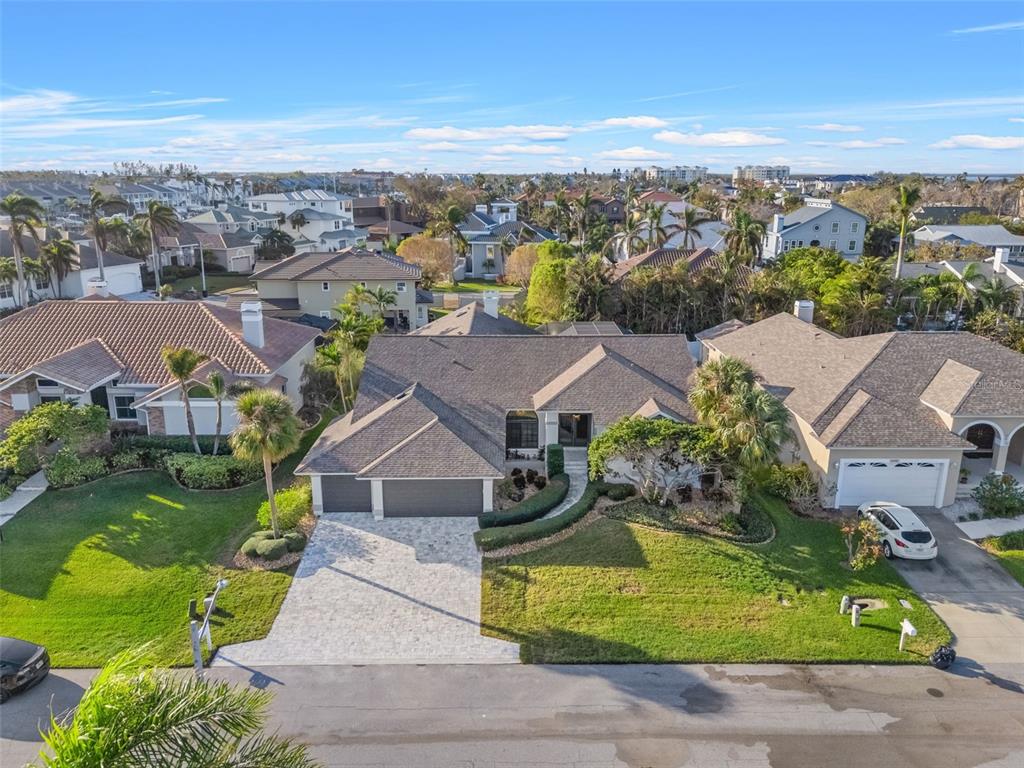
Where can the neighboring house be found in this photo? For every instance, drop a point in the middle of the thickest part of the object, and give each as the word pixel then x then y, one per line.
pixel 478 318
pixel 315 283
pixel 369 211
pixel 316 224
pixel 820 223
pixel 990 236
pixel 235 251
pixel 709 235
pixel 436 416
pixel 123 273
pixel 385 231
pixel 106 351
pixel 1002 267
pixel 319 200
pixel 492 233
pixel 892 416
pixel 234 218
pixel 696 259
pixel 612 208
pixel 340 239
pixel 945 214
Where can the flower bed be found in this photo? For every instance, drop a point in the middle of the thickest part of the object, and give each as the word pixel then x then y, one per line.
pixel 532 508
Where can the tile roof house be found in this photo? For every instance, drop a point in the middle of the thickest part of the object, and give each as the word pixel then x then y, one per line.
pixel 107 351
pixel 892 416
pixel 695 259
pixel 315 283
pixel 437 415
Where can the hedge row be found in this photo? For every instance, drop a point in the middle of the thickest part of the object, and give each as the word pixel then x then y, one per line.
pixel 67 469
pixel 212 472
pixel 170 443
pixel 555 459
pixel 488 539
pixel 538 505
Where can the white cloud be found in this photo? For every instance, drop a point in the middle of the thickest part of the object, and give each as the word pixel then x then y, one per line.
pixel 1017 119
pixel 719 139
pixel 35 103
pixel 977 141
pixel 632 153
pixel 443 146
pixel 75 125
pixel 451 133
pixel 525 149
pixel 680 94
pixel 834 127
pixel 636 121
pixel 885 141
pixel 1006 26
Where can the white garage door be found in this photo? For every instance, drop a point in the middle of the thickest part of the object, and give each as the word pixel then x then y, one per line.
pixel 123 284
pixel 912 482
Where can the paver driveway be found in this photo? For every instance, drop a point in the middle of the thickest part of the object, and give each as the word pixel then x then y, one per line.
pixel 979 601
pixel 401 590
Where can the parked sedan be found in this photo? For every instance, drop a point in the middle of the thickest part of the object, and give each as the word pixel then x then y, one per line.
pixel 903 533
pixel 22 665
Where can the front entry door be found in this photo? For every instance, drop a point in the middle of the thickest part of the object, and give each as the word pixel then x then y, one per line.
pixel 574 429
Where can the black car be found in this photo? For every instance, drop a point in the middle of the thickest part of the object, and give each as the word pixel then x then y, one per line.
pixel 22 665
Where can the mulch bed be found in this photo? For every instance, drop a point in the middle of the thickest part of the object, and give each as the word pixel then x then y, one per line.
pixel 245 563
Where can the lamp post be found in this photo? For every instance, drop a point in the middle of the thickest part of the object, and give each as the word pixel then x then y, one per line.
pixel 199 632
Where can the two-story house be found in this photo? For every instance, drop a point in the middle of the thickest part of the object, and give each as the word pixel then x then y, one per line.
pixel 990 236
pixel 319 200
pixel 234 218
pixel 492 232
pixel 315 283
pixel 820 223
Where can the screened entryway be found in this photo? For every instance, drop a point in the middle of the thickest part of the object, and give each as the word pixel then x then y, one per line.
pixel 574 429
pixel 521 430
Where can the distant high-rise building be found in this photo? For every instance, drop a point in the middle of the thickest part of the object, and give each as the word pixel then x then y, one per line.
pixel 760 173
pixel 684 173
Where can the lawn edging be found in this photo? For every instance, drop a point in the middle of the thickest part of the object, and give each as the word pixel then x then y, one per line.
pixel 528 510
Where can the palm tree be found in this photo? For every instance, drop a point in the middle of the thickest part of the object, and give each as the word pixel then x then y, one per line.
pixel 996 294
pixel 714 383
pixel 903 207
pixel 653 215
pixel 298 220
pixel 59 257
pixel 158 219
pixel 447 226
pixel 97 205
pixel 268 430
pixel 355 328
pixel 218 388
pixel 755 426
pixel 965 287
pixel 35 269
pixel 580 211
pixel 130 716
pixel 25 214
pixel 381 298
pixel 181 363
pixel 745 237
pixel 690 221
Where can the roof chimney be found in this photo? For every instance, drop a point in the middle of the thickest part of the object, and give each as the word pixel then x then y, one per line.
pixel 778 221
pixel 804 309
pixel 999 262
pixel 252 323
pixel 96 286
pixel 480 208
pixel 491 303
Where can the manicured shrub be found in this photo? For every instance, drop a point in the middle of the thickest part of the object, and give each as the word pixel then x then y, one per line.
pixel 22 449
pixel 791 482
pixel 519 482
pixel 556 459
pixel 262 535
pixel 539 482
pixel 271 549
pixel 293 504
pixel 1009 541
pixel 295 540
pixel 249 546
pixel 1000 496
pixel 620 491
pixel 124 460
pixel 516 471
pixel 5 491
pixel 211 472
pixel 534 507
pixel 66 468
pixel 155 447
pixel 531 475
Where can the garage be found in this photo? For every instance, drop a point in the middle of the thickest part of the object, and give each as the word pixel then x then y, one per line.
pixel 343 493
pixel 123 283
pixel 912 482
pixel 433 498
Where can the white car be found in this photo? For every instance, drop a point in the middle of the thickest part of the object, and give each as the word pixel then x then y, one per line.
pixel 903 534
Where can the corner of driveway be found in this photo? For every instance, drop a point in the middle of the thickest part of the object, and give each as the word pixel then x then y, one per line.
pixel 392 591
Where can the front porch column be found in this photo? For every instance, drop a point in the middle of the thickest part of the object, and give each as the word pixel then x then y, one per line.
pixel 377 499
pixel 316 484
pixel 550 433
pixel 488 495
pixel 1001 451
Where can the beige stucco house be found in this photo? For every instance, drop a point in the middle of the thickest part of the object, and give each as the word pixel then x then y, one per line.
pixel 915 418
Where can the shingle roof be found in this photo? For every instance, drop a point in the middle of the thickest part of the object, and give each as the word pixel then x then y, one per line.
pixel 349 264
pixel 86 255
pixel 470 383
pixel 989 235
pixel 472 320
pixel 880 390
pixel 581 328
pixel 810 212
pixel 134 332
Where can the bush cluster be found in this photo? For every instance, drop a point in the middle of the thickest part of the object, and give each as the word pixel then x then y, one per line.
pixel 293 504
pixel 556 459
pixel 1000 496
pixel 66 468
pixel 211 472
pixel 750 525
pixel 790 481
pixel 263 544
pixel 21 451
pixel 1013 540
pixel 620 491
pixel 538 505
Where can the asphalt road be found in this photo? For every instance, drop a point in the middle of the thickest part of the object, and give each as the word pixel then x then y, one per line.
pixel 620 716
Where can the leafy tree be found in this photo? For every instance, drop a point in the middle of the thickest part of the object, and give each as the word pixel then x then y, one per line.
pixel 997 294
pixel 546 296
pixel 588 285
pixel 24 214
pixel 268 430
pixel 76 427
pixel 181 364
pixel 520 263
pixel 903 206
pixel 447 226
pixel 862 543
pixel 431 255
pixel 131 716
pixel 665 454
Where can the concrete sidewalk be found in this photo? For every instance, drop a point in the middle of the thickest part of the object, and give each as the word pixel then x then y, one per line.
pixel 994 526
pixel 25 493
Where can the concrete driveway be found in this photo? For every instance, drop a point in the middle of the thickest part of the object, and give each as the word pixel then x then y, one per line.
pixel 978 600
pixel 396 591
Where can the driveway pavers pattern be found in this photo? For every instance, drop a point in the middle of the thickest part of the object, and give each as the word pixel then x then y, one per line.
pixel 400 590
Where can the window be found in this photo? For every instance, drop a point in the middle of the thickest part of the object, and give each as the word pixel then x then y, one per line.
pixel 6 291
pixel 832 244
pixel 46 383
pixel 835 227
pixel 123 408
pixel 337 224
pixel 887 521
pixel 853 246
pixel 799 243
pixel 362 283
pixel 400 286
pixel 325 286
pixel 42 283
pixel 854 226
pixel 521 430
pixel 325 313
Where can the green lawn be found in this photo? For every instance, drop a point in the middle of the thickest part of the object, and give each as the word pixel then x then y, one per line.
pixel 91 571
pixel 615 592
pixel 474 286
pixel 1011 559
pixel 215 282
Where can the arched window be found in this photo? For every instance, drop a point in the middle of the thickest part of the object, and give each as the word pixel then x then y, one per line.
pixel 521 430
pixel 983 436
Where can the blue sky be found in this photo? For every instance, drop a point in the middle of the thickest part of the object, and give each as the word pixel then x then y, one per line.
pixel 822 87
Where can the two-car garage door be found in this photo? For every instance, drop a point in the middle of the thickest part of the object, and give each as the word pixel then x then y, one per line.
pixel 404 498
pixel 912 482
